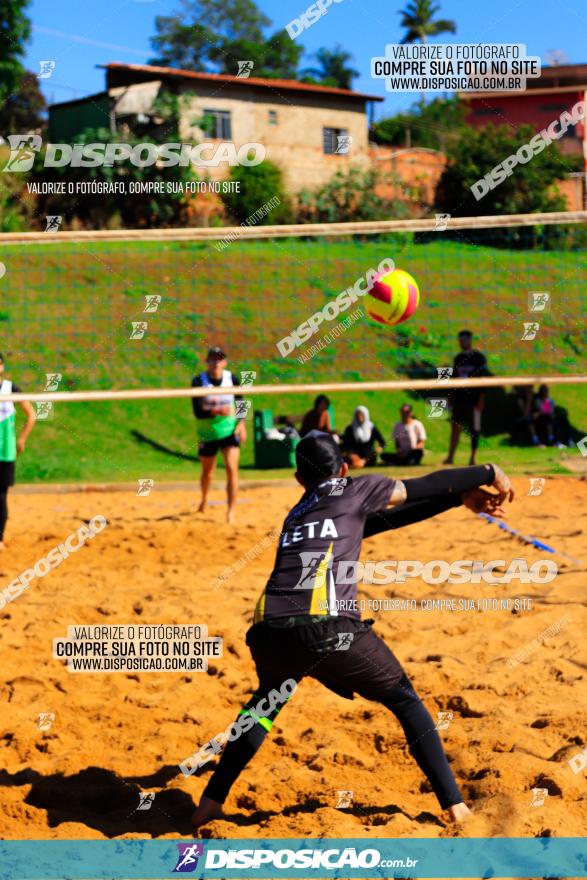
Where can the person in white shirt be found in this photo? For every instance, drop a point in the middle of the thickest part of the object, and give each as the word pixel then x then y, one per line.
pixel 409 436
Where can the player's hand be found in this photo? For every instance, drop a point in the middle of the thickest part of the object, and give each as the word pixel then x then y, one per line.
pixel 20 445
pixel 502 484
pixel 480 501
pixel 241 432
pixel 221 410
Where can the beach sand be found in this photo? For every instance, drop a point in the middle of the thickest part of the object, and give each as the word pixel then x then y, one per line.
pixel 514 727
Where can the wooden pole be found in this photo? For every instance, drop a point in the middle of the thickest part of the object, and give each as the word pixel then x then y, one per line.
pixel 433 385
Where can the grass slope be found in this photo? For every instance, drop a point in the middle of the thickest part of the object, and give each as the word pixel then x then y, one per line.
pixel 69 308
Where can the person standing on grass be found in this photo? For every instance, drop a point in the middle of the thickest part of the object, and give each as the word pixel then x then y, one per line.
pixel 307 620
pixel 219 428
pixel 467 403
pixel 10 445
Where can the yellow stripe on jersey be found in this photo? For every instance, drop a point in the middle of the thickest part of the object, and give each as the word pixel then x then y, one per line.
pixel 260 608
pixel 319 604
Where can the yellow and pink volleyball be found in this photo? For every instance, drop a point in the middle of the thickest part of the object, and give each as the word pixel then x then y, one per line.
pixel 393 298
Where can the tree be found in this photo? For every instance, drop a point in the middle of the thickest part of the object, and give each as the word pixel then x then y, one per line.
pixel 22 111
pixel 418 18
pixel 333 69
pixel 15 30
pixel 348 196
pixel 214 35
pixel 259 184
pixel 202 31
pixel 180 45
pixel 110 209
pixel 275 58
pixel 434 125
pixel 529 189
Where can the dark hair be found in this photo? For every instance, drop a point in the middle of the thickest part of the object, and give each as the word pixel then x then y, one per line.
pixel 321 399
pixel 1 357
pixel 543 388
pixel 318 457
pixel 406 406
pixel 465 333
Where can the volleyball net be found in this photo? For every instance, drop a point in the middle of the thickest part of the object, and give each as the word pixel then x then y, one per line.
pixel 119 321
pixel 138 309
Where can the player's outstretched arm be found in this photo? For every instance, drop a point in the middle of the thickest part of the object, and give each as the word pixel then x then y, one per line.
pixel 406 514
pixel 445 490
pixel 453 481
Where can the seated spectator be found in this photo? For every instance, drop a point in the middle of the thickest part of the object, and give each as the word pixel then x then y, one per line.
pixel 317 418
pixel 544 418
pixel 409 436
pixel 362 440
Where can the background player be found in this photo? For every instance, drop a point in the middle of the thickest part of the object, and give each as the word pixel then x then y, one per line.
pixel 306 612
pixel 467 403
pixel 10 446
pixel 218 427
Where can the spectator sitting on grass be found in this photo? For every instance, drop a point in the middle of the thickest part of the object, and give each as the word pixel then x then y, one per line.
pixel 317 418
pixel 545 423
pixel 409 436
pixel 362 440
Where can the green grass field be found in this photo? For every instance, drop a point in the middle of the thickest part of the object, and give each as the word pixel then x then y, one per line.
pixel 68 309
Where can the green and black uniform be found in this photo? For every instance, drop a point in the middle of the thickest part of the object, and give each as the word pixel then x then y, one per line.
pixel 308 625
pixel 7 449
pixel 215 432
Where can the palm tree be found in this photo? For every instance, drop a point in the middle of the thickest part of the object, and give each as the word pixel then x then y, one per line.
pixel 334 68
pixel 418 17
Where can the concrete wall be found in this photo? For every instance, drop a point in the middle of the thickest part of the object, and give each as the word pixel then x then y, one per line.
pixel 410 175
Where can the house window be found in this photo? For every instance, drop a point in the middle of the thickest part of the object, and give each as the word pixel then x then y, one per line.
pixel 272 116
pixel 331 138
pixel 216 124
pixel 487 111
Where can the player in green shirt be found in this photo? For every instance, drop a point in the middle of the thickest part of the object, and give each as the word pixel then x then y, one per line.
pixel 10 445
pixel 219 428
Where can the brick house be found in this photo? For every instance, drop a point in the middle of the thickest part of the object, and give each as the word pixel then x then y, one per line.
pixel 557 89
pixel 300 125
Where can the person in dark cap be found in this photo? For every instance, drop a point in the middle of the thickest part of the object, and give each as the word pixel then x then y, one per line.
pixel 219 428
pixel 307 620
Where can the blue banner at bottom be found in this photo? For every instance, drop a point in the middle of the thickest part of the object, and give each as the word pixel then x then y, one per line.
pixel 362 858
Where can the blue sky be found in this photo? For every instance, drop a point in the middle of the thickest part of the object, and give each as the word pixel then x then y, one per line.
pixel 79 34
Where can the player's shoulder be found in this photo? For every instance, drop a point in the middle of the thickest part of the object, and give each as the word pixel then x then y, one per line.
pixel 368 482
pixel 197 381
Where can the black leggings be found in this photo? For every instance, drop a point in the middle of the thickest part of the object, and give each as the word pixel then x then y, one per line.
pixel 3 512
pixel 367 667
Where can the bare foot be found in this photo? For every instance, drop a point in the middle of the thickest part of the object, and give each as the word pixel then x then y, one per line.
pixel 447 461
pixel 2 545
pixel 459 812
pixel 202 507
pixel 207 810
pixel 230 519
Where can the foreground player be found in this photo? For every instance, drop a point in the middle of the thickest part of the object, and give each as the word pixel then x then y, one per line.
pixel 307 623
pixel 10 445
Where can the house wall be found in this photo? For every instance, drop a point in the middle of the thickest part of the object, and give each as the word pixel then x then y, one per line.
pixel 295 143
pixel 527 109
